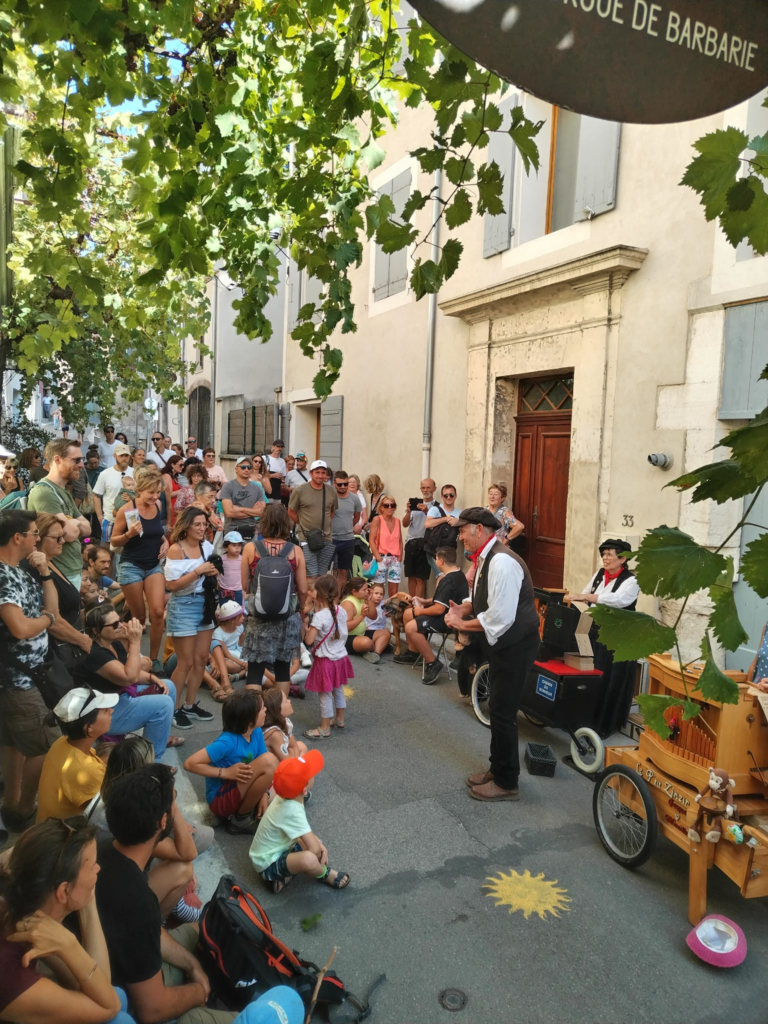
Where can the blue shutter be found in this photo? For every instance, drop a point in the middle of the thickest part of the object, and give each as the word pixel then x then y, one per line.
pixel 331 426
pixel 597 169
pixel 743 395
pixel 497 229
pixel 398 261
pixel 381 259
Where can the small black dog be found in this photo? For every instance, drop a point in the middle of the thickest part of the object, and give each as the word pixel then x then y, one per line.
pixel 211 591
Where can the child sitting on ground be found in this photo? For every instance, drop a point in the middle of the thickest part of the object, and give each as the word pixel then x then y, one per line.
pixel 284 846
pixel 331 668
pixel 354 601
pixel 376 619
pixel 278 728
pixel 237 767
pixel 231 580
pixel 226 663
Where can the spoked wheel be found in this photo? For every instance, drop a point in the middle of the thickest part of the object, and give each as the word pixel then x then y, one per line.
pixel 625 816
pixel 481 694
pixel 588 752
pixel 533 719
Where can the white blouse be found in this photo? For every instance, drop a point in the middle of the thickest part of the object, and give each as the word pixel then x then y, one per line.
pixel 175 568
pixel 624 595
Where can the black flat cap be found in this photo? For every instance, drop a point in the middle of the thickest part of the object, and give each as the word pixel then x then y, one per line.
pixel 621 547
pixel 478 515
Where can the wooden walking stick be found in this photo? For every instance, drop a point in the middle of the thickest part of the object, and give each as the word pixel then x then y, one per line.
pixel 318 983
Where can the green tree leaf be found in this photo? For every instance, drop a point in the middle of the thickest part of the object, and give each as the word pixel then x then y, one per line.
pixel 523 132
pixel 721 481
pixel 449 261
pixel 749 445
pixel 715 685
pixel 459 210
pixel 754 565
pixel 631 635
pixel 653 706
pixel 671 564
pixel 714 171
pixel 724 620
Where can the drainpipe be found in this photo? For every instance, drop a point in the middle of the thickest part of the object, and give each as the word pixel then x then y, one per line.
pixel 214 347
pixel 426 447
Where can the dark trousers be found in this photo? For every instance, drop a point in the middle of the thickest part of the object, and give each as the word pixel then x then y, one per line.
pixel 509 668
pixel 282 670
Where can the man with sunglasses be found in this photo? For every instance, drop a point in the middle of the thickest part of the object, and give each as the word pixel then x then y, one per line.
pixel 444 518
pixel 343 526
pixel 107 447
pixel 159 457
pixel 64 460
pixel 192 443
pixel 243 500
pixel 27 611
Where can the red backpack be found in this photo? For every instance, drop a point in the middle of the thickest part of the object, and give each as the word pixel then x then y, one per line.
pixel 243 957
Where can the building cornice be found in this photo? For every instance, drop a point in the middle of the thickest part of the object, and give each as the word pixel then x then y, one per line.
pixel 600 271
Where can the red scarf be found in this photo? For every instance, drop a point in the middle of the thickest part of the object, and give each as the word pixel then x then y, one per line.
pixel 609 577
pixel 474 558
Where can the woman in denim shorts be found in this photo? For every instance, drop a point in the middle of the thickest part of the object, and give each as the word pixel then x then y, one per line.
pixel 185 567
pixel 142 546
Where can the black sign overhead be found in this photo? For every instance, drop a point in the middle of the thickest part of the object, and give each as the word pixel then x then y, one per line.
pixel 622 60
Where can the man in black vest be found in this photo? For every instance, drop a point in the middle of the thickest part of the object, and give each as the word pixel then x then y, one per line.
pixel 503 609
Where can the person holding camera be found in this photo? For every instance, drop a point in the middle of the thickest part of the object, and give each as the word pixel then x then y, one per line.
pixel 415 563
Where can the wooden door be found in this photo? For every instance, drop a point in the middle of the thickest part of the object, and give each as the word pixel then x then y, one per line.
pixel 540 497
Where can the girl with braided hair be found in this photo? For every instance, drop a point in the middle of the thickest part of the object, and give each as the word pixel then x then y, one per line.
pixel 326 635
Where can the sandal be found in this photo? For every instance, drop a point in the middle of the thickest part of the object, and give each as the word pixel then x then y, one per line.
pixel 175 741
pixel 337 725
pixel 341 881
pixel 317 734
pixel 278 884
pixel 222 693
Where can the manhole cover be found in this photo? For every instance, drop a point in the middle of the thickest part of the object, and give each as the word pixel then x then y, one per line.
pixel 452 999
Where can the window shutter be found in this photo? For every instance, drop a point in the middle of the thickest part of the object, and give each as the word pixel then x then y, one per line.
pixel 311 287
pixel 743 395
pixel 331 424
pixel 597 168
pixel 381 260
pixel 398 261
pixel 497 229
pixel 294 294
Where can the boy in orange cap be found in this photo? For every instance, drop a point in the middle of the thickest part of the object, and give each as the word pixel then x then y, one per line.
pixel 284 844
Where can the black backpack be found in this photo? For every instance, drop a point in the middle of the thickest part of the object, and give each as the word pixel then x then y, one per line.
pixel 273 583
pixel 442 536
pixel 243 957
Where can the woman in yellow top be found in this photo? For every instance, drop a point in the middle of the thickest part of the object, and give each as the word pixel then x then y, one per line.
pixel 72 772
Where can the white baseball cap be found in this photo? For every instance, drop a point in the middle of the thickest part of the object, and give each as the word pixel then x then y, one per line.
pixel 81 701
pixel 233 537
pixel 318 464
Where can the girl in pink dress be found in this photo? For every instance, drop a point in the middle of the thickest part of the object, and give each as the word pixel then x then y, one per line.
pixel 326 635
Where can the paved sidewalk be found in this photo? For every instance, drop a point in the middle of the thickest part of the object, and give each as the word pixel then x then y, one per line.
pixel 392 807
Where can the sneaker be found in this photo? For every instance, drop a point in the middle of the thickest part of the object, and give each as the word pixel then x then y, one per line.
pixel 180 720
pixel 406 658
pixel 197 713
pixel 371 656
pixel 242 824
pixel 157 668
pixel 432 672
pixel 306 657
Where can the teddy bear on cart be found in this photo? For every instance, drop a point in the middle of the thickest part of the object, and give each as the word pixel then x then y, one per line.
pixel 715 802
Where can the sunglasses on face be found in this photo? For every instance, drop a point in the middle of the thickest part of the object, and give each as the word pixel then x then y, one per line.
pixel 449 494
pixel 77 461
pixel 340 484
pixel 157 439
pixel 245 465
pixel 112 625
pixel 388 504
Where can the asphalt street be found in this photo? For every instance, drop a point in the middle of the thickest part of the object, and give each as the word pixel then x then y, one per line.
pixel 393 810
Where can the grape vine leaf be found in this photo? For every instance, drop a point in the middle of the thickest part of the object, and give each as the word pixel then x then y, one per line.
pixel 749 445
pixel 724 620
pixel 754 565
pixel 720 481
pixel 631 635
pixel 653 706
pixel 671 564
pixel 713 684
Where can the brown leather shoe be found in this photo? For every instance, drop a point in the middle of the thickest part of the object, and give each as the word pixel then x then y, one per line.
pixel 491 792
pixel 479 778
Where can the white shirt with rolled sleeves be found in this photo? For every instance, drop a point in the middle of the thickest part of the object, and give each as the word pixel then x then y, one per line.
pixel 505 578
pixel 622 597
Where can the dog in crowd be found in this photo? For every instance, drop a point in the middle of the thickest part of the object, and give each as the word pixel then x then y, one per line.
pixel 395 607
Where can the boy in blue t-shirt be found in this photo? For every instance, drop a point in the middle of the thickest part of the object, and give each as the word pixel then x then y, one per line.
pixel 237 767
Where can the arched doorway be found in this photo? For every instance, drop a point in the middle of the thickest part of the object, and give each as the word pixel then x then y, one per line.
pixel 200 416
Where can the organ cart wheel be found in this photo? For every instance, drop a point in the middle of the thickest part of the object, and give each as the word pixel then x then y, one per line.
pixel 625 816
pixel 588 752
pixel 481 693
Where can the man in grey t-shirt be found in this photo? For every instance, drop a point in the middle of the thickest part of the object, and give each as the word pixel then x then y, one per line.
pixel 343 523
pixel 242 499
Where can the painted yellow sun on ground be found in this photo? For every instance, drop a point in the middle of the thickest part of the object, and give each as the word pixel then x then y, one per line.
pixel 349 691
pixel 533 894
